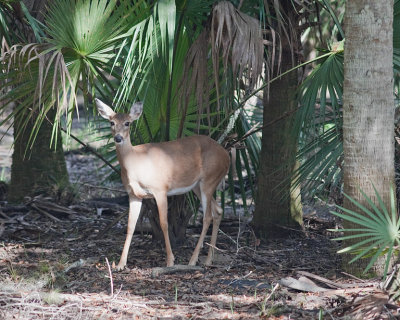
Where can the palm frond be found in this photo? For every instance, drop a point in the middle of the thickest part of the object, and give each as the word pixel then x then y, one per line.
pixel 196 75
pixel 233 38
pixel 5 35
pixel 329 8
pixel 320 164
pixel 166 14
pixel 82 37
pixel 379 228
pixel 16 21
pixel 319 126
pixel 237 36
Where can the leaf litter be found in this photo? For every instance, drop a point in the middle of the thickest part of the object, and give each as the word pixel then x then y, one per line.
pixel 54 264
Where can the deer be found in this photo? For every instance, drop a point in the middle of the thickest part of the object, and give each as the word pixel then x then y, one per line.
pixel 157 170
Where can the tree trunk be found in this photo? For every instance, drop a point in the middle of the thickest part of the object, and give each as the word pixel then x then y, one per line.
pixel 368 105
pixel 275 205
pixel 37 169
pixel 40 168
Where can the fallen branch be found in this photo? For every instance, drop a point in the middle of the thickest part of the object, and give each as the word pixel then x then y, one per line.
pixel 327 282
pixel 343 292
pixel 45 213
pixel 174 269
pixel 301 284
pixel 102 188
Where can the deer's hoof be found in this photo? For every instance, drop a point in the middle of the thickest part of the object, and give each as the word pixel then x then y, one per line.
pixel 170 263
pixel 192 262
pixel 208 263
pixel 119 267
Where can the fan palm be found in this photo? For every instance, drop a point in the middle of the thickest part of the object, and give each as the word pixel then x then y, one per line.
pixel 324 141
pixel 319 122
pixel 184 92
pixel 126 52
pixel 378 229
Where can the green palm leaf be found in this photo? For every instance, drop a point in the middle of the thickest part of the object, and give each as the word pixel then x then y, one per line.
pixel 82 38
pixel 319 122
pixel 380 229
pixel 318 125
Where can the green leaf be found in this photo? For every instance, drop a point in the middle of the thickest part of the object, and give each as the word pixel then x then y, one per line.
pixel 381 229
pixel 167 20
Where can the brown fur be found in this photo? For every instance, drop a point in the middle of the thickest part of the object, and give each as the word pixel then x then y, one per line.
pixel 156 170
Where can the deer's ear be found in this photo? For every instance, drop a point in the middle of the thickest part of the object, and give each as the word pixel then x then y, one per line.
pixel 136 110
pixel 105 111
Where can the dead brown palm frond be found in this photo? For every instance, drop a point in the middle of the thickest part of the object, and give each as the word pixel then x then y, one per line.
pixel 195 75
pixel 247 49
pixel 40 61
pixel 4 46
pixel 234 39
pixel 281 33
pixel 236 36
pixel 38 79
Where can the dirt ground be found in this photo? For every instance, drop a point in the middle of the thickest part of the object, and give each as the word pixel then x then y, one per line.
pixel 55 264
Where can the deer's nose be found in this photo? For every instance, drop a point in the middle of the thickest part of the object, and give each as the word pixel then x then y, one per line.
pixel 118 138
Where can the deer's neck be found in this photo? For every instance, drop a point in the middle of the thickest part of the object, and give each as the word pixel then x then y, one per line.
pixel 124 150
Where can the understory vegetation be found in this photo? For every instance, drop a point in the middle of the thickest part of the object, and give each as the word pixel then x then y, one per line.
pixel 306 109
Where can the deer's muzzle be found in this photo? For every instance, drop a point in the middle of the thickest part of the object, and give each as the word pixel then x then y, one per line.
pixel 118 138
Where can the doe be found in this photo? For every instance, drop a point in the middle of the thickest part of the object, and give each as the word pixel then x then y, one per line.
pixel 158 170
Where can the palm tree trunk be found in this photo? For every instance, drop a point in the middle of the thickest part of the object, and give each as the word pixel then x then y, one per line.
pixel 39 168
pixel 368 110
pixel 276 206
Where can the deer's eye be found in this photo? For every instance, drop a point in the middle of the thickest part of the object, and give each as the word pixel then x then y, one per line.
pixel 127 124
pixel 112 123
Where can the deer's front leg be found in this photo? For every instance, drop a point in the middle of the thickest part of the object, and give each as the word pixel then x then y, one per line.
pixel 134 211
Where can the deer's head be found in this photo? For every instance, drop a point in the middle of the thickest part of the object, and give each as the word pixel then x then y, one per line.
pixel 120 122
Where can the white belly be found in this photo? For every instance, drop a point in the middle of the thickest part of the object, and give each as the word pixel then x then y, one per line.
pixel 174 192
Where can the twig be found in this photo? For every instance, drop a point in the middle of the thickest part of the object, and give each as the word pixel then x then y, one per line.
pixel 272 292
pixel 111 278
pixel 5 216
pixel 115 221
pixel 118 292
pixel 229 237
pixel 241 278
pixel 353 277
pixel 45 213
pixel 215 247
pixel 237 248
pixel 253 130
pixel 101 187
pixel 90 149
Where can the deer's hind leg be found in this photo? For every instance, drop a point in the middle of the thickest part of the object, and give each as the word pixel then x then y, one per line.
pixel 162 204
pixel 207 218
pixel 217 217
